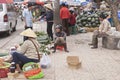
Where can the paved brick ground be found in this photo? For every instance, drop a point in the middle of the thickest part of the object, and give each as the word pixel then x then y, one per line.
pixel 97 64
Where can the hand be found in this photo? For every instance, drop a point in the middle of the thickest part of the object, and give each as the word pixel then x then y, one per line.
pixel 37 19
pixel 60 37
pixel 16 46
pixel 33 20
pixel 44 17
pixel 40 17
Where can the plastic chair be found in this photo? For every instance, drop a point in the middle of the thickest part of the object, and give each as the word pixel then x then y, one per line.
pixel 60 47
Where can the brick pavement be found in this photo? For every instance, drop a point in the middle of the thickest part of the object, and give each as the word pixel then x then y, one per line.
pixel 97 64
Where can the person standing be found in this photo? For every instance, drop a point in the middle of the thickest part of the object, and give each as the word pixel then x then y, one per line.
pixel 28 18
pixel 104 30
pixel 103 6
pixel 49 18
pixel 72 21
pixel 64 15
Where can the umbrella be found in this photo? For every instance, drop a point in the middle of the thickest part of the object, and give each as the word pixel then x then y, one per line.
pixel 38 2
pixel 6 1
pixel 34 1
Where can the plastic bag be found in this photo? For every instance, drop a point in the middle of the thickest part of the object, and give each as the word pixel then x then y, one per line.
pixel 45 61
pixel 118 45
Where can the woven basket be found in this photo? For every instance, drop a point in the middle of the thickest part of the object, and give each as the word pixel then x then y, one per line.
pixel 32 71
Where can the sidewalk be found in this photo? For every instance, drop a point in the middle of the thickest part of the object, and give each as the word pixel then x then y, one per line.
pixel 97 64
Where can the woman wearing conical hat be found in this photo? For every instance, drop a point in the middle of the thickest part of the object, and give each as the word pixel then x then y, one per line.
pixel 27 52
pixel 49 18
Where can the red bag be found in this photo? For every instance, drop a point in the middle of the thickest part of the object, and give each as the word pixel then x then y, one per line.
pixel 3 72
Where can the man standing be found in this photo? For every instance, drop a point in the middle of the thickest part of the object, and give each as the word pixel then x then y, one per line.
pixel 64 15
pixel 104 30
pixel 28 18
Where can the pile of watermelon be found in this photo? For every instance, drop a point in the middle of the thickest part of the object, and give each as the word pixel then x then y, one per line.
pixel 86 19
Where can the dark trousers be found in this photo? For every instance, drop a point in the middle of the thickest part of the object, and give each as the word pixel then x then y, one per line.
pixel 21 59
pixel 28 27
pixel 49 30
pixel 25 38
pixel 65 26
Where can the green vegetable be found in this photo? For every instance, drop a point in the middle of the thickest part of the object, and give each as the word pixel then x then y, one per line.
pixel 3 54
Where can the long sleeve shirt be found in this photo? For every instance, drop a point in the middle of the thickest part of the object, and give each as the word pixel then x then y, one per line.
pixel 64 13
pixel 105 26
pixel 60 34
pixel 28 49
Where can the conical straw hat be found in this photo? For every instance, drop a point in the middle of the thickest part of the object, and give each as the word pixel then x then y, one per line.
pixel 103 2
pixel 28 33
pixel 48 6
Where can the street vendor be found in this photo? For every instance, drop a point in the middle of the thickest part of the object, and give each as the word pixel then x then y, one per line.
pixel 72 21
pixel 27 52
pixel 60 38
pixel 104 6
pixel 49 19
pixel 48 16
pixel 104 30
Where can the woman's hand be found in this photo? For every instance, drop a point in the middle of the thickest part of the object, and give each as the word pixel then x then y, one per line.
pixel 16 46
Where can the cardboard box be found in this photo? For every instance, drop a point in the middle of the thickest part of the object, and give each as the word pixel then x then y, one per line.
pixel 13 75
pixel 73 62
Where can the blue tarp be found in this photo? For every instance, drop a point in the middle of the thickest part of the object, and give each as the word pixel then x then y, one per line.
pixel 119 15
pixel 83 3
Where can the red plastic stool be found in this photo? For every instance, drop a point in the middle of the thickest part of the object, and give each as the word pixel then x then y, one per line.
pixel 60 48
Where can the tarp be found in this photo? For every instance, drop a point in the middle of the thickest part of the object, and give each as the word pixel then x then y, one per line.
pixel 75 2
pixel 6 1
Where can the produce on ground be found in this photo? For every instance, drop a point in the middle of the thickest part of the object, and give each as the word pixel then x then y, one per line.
pixel 44 40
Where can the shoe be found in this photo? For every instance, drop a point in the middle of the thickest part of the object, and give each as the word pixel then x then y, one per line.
pixel 90 44
pixel 65 47
pixel 67 51
pixel 53 51
pixel 52 47
pixel 68 34
pixel 55 45
pixel 94 47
